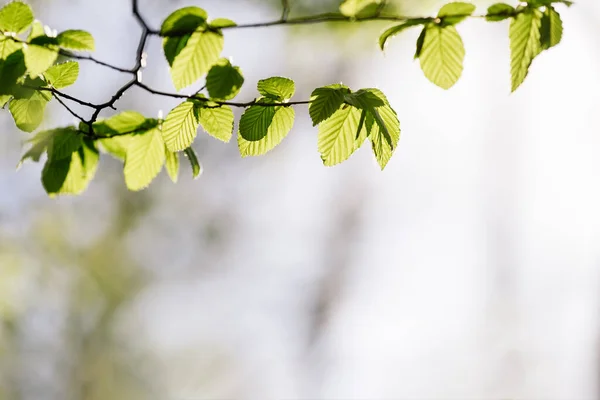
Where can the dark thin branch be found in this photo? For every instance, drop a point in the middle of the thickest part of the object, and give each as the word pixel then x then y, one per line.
pixel 220 103
pixel 94 60
pixel 73 113
pixel 136 71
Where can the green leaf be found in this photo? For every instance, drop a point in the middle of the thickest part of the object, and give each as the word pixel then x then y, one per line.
pixel 62 75
pixel 442 55
pixel 337 135
pixel 40 54
pixel 420 43
pixel 37 30
pixel 325 101
pixel 181 126
pixel 524 43
pixel 218 23
pixel 552 28
pixel 8 46
pixel 453 13
pixel 280 126
pixel 125 122
pixel 500 12
pixel 277 88
pixel 359 8
pixel 65 141
pixel 76 40
pixel 28 114
pixel 394 30
pixel 224 81
pixel 15 17
pixel 183 21
pixel 73 174
pixel 172 164
pixel 4 98
pixel 145 158
pixel 217 122
pixel 200 52
pixel 116 146
pixel 193 159
pixel 255 122
pixel 11 70
pixel 39 144
pixel 382 144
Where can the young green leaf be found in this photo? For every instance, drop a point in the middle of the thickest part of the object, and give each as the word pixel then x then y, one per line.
pixel 552 28
pixel 181 126
pixel 384 142
pixel 71 175
pixel 8 46
pixel 76 40
pixel 281 125
pixel 195 164
pixel 524 43
pixel 420 42
pixel 11 70
pixel 218 23
pixel 255 122
pixel 277 88
pixel 62 75
pixel 145 158
pixel 500 12
pixel 64 142
pixel 172 164
pixel 200 52
pixel 224 81
pixel 325 101
pixel 337 135
pixel 442 55
pixel 359 8
pixel 125 122
pixel 217 122
pixel 183 21
pixel 394 30
pixel 116 146
pixel 28 114
pixel 453 13
pixel 39 144
pixel 15 17
pixel 40 54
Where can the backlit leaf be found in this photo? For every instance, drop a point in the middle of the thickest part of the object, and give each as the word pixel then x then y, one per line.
pixel 524 44
pixel 442 55
pixel 217 122
pixel 180 127
pixel 280 126
pixel 145 158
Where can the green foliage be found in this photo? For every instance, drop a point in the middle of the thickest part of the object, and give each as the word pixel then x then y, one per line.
pixel 76 40
pixel 172 164
pixel 224 81
pixel 280 126
pixel 193 159
pixel 27 113
pixel 144 159
pixel 62 75
pixel 255 122
pixel 181 126
pixel 15 17
pixel 71 175
pixel 30 77
pixel 217 121
pixel 525 43
pixel 442 55
pixel 500 12
pixel 359 8
pixel 189 45
pixel 277 88
pixel 552 28
pixel 325 101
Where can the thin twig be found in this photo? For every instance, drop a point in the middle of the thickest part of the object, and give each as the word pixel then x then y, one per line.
pixel 73 113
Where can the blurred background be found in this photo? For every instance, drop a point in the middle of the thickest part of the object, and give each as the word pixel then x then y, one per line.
pixel 468 269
